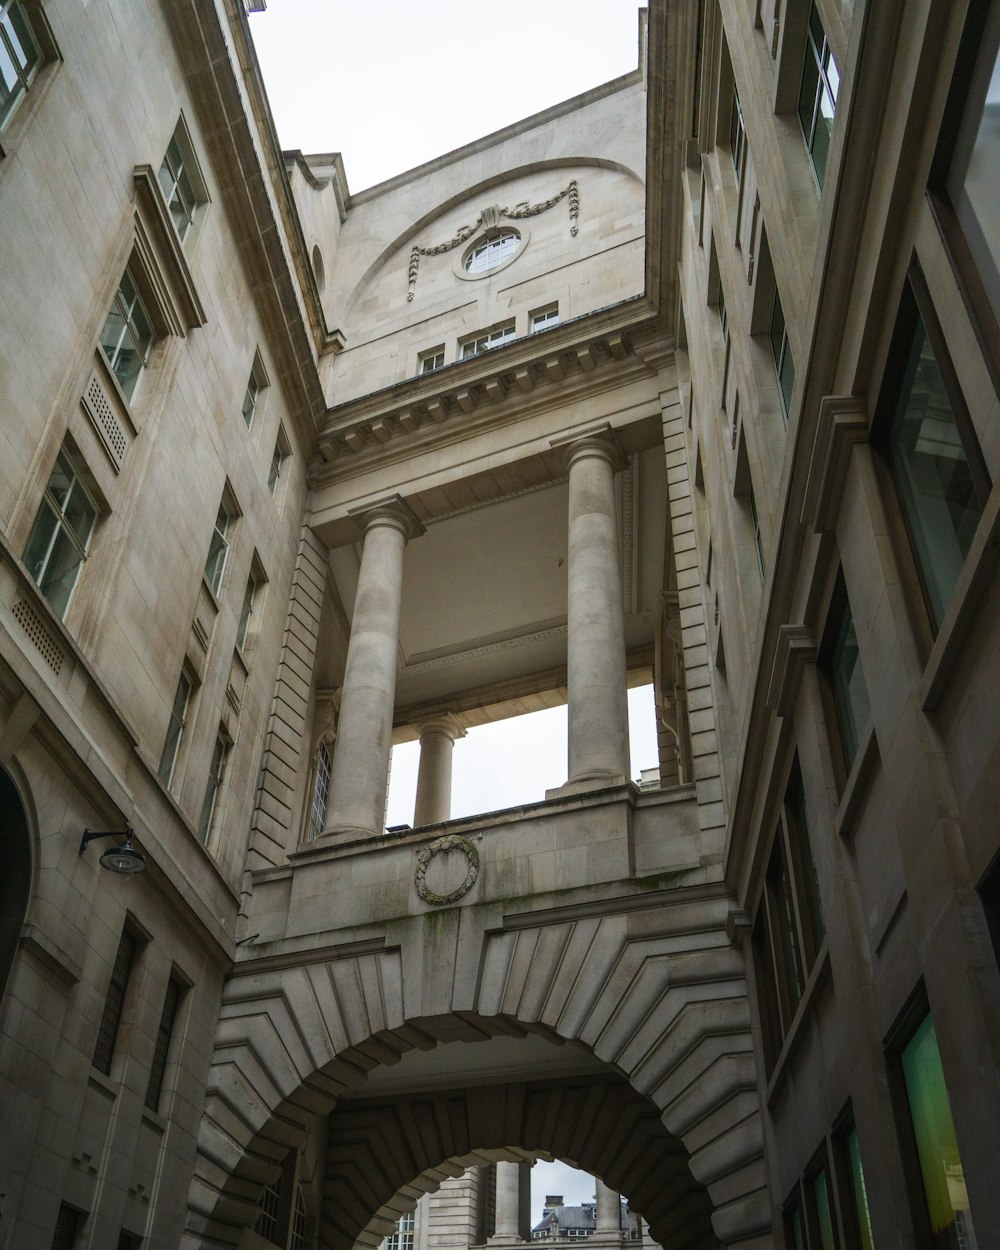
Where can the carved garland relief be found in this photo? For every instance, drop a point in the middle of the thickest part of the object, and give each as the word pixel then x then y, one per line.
pixel 489 219
pixel 444 846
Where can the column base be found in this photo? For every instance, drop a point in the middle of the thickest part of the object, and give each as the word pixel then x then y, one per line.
pixel 505 1239
pixel 581 785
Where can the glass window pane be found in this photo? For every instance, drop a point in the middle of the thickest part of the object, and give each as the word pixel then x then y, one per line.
pixel 863 1223
pixel 21 40
pixel 80 515
pixel 60 574
pixel 824 1216
pixel 940 501
pixel 937 1147
pixel 972 180
pixel 11 87
pixel 36 553
pixel 807 95
pixel 849 690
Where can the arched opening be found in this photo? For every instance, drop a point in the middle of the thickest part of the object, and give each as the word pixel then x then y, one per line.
pixel 15 880
pixel 597 1123
pixel 399 1124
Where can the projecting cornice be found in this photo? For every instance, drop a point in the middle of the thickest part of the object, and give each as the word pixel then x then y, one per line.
pixel 481 390
pixel 251 175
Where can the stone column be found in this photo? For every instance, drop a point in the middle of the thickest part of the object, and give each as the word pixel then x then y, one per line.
pixel 507 1204
pixel 608 1213
pixel 437 745
pixel 598 701
pixel 364 733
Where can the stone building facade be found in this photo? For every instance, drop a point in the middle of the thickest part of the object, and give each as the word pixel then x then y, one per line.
pixel 690 379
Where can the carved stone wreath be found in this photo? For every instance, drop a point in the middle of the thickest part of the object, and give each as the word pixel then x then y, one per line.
pixel 489 219
pixel 450 842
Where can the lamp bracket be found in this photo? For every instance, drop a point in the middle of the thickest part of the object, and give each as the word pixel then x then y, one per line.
pixel 90 834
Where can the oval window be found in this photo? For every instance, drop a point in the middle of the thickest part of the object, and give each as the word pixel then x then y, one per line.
pixel 491 252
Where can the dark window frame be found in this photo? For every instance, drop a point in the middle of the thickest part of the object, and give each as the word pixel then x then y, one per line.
pixel 984 317
pixel 843 761
pixel 788 929
pixel 116 1000
pixel 916 305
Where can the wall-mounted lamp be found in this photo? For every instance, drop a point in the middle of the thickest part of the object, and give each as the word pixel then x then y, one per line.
pixel 125 859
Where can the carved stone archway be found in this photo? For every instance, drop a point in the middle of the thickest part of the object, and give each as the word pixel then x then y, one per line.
pixel 650 985
pixel 601 1126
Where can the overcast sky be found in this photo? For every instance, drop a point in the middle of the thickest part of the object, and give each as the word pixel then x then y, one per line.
pixel 390 85
pixel 393 84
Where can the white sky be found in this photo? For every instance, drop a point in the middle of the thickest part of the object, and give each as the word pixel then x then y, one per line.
pixel 513 761
pixel 396 83
pixel 558 1178
pixel 391 85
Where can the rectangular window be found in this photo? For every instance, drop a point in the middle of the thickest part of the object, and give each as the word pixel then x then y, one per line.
pixel 256 385
pixel 402 1238
pixel 737 136
pixel 840 659
pixel 822 1212
pixel 177 185
pixel 859 1194
pixel 936 1144
pixel 268 1211
pixel 486 342
pixel 67 1228
pixel 973 153
pixel 60 537
pixel 544 319
pixel 784 366
pixel 434 359
pixel 250 608
pixel 932 450
pixel 158 1068
pixel 758 541
pixel 321 791
pixel 818 95
pixel 114 1003
pixel 279 461
pixel 250 401
pixel 20 57
pixel 788 929
pixel 128 1241
pixel 297 1237
pixel 218 547
pixel 216 775
pixel 175 730
pixel 127 337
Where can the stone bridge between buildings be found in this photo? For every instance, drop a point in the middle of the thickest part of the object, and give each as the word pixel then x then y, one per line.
pixel 551 980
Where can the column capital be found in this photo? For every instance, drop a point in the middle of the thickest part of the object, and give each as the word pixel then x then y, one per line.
pixel 393 510
pixel 446 725
pixel 600 441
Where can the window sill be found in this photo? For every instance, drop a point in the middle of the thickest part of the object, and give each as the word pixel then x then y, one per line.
pixel 796 1029
pixel 977 575
pixel 862 771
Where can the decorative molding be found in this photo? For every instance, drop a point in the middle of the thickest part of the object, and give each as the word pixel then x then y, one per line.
pixel 50 954
pixel 426 661
pixel 450 842
pixel 154 226
pixel 432 401
pixel 489 219
pixel 843 422
pixel 738 925
pixel 794 650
